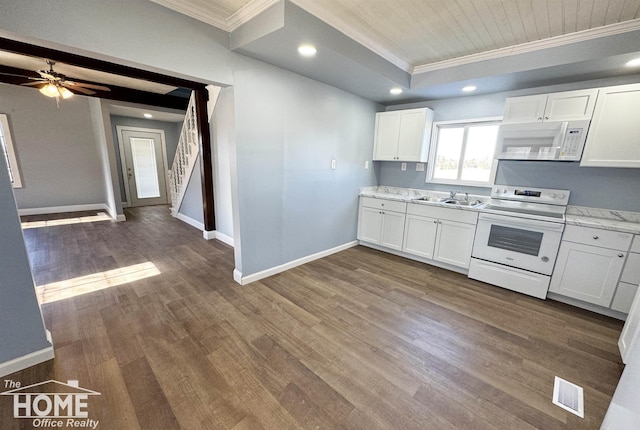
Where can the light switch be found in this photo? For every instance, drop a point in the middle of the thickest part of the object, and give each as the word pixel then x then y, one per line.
pixel 366 164
pixel 403 166
pixel 419 167
pixel 333 164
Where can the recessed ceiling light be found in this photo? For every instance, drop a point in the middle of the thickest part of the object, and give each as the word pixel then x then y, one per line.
pixel 633 63
pixel 148 115
pixel 469 88
pixel 395 91
pixel 307 50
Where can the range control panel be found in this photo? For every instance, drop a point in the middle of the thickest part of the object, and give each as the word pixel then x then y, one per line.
pixel 528 194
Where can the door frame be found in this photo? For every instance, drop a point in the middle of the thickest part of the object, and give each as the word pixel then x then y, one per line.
pixel 123 163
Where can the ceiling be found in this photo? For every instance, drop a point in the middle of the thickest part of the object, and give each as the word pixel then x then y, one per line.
pixel 431 48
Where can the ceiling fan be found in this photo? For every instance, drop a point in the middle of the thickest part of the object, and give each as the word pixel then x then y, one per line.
pixel 54 84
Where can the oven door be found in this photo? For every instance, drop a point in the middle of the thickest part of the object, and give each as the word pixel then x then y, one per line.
pixel 518 242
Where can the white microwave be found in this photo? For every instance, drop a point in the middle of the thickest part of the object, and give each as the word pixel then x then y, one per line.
pixel 551 140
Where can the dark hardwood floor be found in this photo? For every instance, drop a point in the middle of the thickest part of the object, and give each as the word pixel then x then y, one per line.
pixel 357 340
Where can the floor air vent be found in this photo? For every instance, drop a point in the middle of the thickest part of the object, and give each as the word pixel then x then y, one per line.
pixel 568 396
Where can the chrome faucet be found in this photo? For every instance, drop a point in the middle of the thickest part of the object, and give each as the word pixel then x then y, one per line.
pixel 466 197
pixel 452 194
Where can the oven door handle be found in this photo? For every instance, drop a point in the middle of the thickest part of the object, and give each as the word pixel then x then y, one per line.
pixel 524 224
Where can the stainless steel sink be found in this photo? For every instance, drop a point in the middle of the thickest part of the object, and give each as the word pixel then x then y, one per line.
pixel 430 199
pixel 461 202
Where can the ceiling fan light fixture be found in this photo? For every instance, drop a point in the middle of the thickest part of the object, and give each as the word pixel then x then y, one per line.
pixel 65 93
pixel 395 91
pixel 50 90
pixel 633 63
pixel 307 50
pixel 469 88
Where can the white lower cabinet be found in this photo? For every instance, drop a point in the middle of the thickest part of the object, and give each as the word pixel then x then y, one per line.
pixel 589 264
pixel 441 234
pixel 381 222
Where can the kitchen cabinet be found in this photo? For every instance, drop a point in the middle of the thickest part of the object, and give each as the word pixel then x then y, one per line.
pixel 381 222
pixel 629 280
pixel 563 106
pixel 614 135
pixel 589 264
pixel 441 234
pixel 403 135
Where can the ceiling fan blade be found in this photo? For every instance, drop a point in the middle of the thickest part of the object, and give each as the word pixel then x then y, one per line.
pixel 17 75
pixel 82 84
pixel 46 75
pixel 78 89
pixel 30 84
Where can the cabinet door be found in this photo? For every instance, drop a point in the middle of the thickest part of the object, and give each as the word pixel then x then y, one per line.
pixel 614 135
pixel 525 109
pixel 412 133
pixel 420 235
pixel 370 224
pixel 570 105
pixel 387 134
pixel 454 243
pixel 587 273
pixel 392 230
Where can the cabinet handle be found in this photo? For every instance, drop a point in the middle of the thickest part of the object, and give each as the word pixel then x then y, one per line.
pixel 546 117
pixel 621 255
pixel 596 237
pixel 381 204
pixel 435 222
pixel 539 118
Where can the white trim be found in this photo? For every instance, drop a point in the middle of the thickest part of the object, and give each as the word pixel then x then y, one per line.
pixel 192 222
pixel 244 280
pixel 21 363
pixel 223 238
pixel 214 94
pixel 11 152
pixel 209 235
pixel 247 12
pixel 120 129
pixel 536 45
pixel 228 24
pixel 72 208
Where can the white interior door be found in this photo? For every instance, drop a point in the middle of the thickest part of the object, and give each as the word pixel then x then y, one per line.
pixel 144 168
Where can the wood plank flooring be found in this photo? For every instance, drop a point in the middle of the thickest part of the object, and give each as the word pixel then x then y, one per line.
pixel 357 340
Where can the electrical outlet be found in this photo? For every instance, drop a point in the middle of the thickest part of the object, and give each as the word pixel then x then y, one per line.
pixel 333 164
pixel 403 166
pixel 366 164
pixel 419 167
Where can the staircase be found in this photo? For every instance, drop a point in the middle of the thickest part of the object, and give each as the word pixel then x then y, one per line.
pixel 185 158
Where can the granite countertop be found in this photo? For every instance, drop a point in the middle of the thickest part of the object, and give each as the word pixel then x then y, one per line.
pixel 410 195
pixel 606 219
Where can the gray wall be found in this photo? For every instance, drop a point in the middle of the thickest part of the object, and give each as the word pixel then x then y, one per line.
pixel 21 327
pixel 171 136
pixel 56 149
pixel 191 205
pixel 288 129
pixel 599 187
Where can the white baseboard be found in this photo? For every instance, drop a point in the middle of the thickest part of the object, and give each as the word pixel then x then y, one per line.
pixel 62 209
pixel 72 208
pixel 244 280
pixel 224 238
pixel 20 363
pixel 192 222
pixel 209 235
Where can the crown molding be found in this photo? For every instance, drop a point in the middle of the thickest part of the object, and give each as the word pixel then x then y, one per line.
pixel 247 12
pixel 243 15
pixel 536 45
pixel 311 6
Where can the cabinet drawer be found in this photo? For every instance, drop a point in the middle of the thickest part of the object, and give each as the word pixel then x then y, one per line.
pixel 635 246
pixel 631 271
pixel 390 205
pixel 597 237
pixel 450 214
pixel 624 297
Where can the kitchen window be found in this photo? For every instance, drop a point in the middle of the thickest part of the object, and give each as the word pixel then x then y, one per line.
pixel 463 152
pixel 9 152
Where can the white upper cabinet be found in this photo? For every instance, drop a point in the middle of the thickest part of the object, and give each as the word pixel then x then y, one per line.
pixel 403 135
pixel 614 136
pixel 563 106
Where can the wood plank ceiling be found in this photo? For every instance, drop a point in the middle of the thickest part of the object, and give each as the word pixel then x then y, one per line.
pixel 420 32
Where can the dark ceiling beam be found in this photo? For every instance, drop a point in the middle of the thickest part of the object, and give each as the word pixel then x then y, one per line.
pixel 95 64
pixel 15 76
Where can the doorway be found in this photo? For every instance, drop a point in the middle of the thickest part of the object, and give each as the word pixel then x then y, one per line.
pixel 143 158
